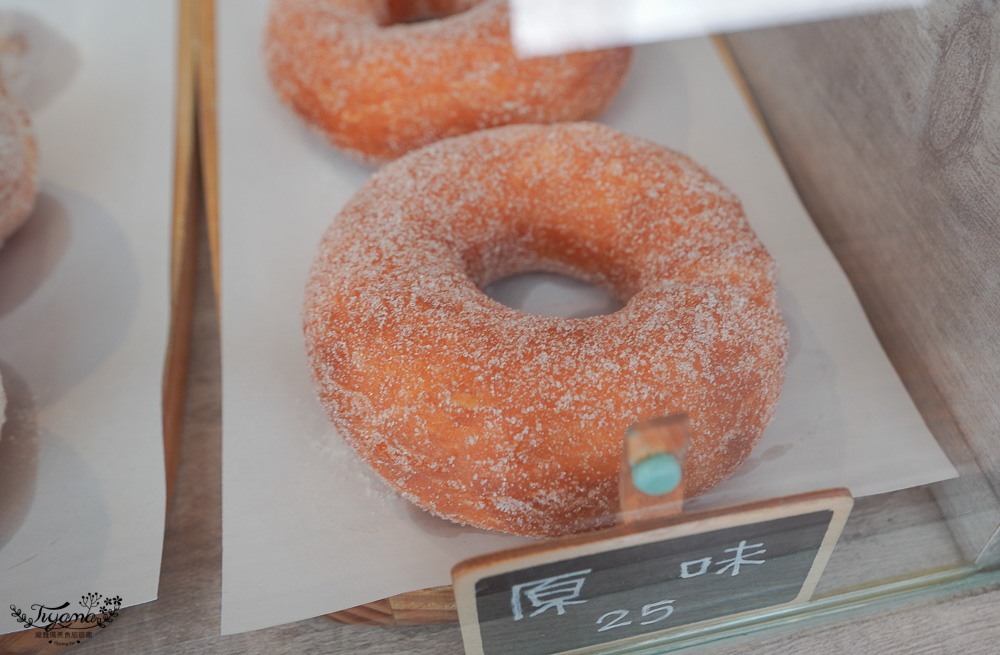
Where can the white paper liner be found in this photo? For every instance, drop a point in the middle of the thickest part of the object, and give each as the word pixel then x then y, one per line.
pixel 307 529
pixel 84 305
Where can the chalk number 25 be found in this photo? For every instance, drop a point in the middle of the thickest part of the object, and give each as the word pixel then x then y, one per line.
pixel 616 618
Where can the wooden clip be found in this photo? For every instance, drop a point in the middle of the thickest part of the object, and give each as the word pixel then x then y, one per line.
pixel 651 482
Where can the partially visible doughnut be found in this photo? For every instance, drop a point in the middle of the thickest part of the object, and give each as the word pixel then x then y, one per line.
pixel 18 166
pixel 377 86
pixel 496 418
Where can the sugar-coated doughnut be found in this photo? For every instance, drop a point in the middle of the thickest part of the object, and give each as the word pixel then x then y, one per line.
pixel 18 166
pixel 377 86
pixel 499 419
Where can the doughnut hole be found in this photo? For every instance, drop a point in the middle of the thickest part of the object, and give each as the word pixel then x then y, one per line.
pixel 418 11
pixel 539 268
pixel 552 294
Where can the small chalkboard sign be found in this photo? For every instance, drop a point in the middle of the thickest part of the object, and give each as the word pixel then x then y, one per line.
pixel 631 581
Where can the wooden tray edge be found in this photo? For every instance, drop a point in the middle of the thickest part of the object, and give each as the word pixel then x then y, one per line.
pixel 184 240
pixel 433 605
pixel 208 130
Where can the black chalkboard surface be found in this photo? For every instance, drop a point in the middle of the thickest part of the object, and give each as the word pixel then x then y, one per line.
pixel 578 592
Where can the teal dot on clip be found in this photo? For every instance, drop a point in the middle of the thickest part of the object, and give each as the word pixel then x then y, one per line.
pixel 657 474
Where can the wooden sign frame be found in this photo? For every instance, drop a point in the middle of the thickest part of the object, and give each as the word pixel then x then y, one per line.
pixel 468 574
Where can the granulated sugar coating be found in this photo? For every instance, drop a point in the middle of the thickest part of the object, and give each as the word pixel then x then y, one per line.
pixel 499 419
pixel 18 166
pixel 377 86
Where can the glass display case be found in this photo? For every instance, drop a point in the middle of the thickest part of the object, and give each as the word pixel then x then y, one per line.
pixel 865 152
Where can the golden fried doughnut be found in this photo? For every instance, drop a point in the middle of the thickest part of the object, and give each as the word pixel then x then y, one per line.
pixel 499 419
pixel 377 86
pixel 18 166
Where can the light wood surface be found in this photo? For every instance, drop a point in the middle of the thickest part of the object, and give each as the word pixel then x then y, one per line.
pixel 890 129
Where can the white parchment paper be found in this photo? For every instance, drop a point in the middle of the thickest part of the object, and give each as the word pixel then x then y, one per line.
pixel 84 304
pixel 308 530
